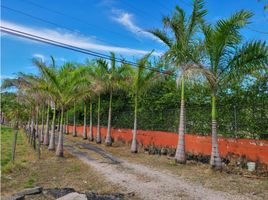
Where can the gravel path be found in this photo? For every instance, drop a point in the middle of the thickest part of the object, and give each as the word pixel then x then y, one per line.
pixel 145 182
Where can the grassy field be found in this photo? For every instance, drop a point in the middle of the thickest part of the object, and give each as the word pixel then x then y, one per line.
pixel 48 172
pixel 22 150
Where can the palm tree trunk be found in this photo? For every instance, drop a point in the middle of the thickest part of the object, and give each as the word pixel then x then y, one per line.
pixel 32 129
pixel 64 125
pixel 51 146
pixel 59 151
pixel 28 125
pixel 91 138
pixel 46 135
pixel 180 151
pixel 42 127
pixel 108 140
pixel 74 127
pixel 67 123
pixel 37 133
pixel 59 126
pixel 98 139
pixel 215 159
pixel 85 122
pixel 134 147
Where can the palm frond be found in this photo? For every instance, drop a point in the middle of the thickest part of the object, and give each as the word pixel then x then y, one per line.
pixel 162 35
pixel 196 17
pixel 248 58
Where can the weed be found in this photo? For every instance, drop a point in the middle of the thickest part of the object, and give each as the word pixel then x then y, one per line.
pixel 29 183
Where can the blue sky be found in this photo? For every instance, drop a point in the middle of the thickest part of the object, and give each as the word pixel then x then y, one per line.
pixel 101 25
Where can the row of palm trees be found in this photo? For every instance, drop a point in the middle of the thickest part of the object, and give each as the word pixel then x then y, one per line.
pixel 196 50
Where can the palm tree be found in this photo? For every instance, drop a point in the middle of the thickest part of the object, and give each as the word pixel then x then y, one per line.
pixel 89 87
pixel 229 58
pixel 90 138
pixel 112 77
pixel 52 142
pixel 85 121
pixel 67 122
pixel 183 49
pixel 48 87
pixel 46 134
pixel 66 88
pixel 74 125
pixel 98 137
pixel 42 126
pixel 98 74
pixel 140 80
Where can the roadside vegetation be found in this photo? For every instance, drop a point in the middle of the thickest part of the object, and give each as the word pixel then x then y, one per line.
pixel 23 150
pixel 48 172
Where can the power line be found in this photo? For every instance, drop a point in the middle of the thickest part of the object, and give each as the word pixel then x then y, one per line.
pixel 48 22
pixel 60 44
pixel 249 28
pixel 78 19
pixel 71 47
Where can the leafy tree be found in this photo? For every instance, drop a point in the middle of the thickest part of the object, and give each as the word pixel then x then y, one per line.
pixel 183 50
pixel 65 87
pixel 112 78
pixel 140 80
pixel 229 58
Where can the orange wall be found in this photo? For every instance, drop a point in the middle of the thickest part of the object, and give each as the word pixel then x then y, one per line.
pixel 254 150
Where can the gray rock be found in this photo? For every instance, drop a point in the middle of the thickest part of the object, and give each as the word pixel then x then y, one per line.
pixel 16 197
pixel 30 191
pixel 73 196
pixel 57 192
pixel 96 196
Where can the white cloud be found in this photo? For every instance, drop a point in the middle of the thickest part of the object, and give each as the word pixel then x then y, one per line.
pixel 74 39
pixel 127 20
pixel 39 56
pixel 2 77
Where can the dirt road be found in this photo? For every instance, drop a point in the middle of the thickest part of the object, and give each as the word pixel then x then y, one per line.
pixel 145 182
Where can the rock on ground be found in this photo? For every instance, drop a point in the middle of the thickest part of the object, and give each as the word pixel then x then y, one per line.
pixel 30 191
pixel 16 197
pixel 96 196
pixel 73 196
pixel 57 192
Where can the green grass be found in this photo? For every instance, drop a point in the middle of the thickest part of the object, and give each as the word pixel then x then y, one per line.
pixel 29 183
pixel 7 137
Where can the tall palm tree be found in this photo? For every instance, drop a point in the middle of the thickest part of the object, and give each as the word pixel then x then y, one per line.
pixel 52 142
pixel 66 88
pixel 85 120
pixel 112 78
pixel 46 134
pixel 48 87
pixel 229 58
pixel 67 122
pixel 98 73
pixel 139 81
pixel 74 124
pixel 98 137
pixel 42 125
pixel 183 49
pixel 90 138
pixel 90 88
